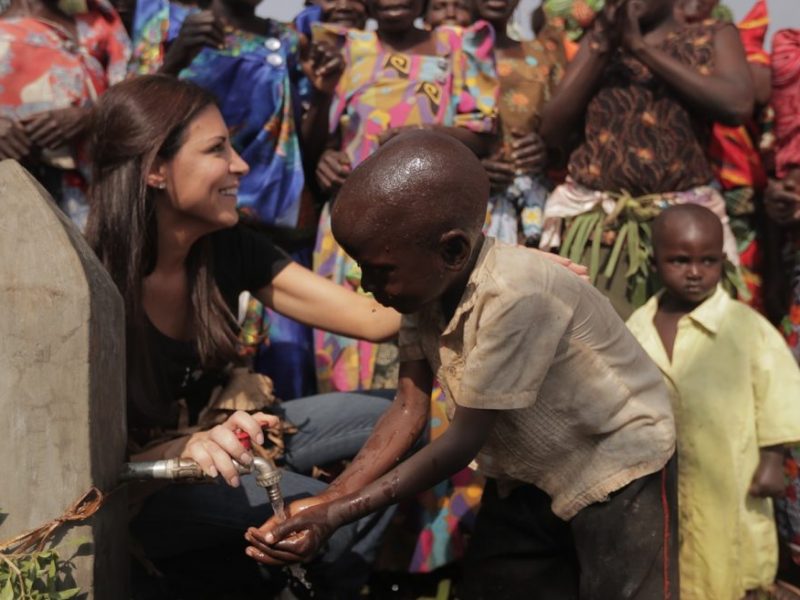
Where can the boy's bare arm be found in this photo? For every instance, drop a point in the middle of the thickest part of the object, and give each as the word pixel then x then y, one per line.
pixel 394 433
pixel 768 480
pixel 461 442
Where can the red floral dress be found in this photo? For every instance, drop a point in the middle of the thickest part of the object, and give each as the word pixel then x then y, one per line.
pixel 43 67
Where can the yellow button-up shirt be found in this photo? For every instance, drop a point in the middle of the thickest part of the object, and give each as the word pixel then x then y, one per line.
pixel 736 388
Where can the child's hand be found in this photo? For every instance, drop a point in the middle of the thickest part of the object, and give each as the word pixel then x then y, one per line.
pixel 768 480
pixel 297 539
pixel 323 65
pixel 332 170
pixel 200 30
pixel 499 170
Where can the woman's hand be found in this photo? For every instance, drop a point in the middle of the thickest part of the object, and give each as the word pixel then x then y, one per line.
pixel 54 128
pixel 332 170
pixel 296 539
pixel 199 30
pixel 528 153
pixel 782 202
pixel 631 31
pixel 14 141
pixel 215 449
pixel 323 65
pixel 606 32
pixel 579 270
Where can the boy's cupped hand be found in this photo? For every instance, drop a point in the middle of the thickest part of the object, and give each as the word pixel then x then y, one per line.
pixel 296 539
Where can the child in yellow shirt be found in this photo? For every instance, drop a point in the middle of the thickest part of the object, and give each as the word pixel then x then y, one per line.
pixel 736 390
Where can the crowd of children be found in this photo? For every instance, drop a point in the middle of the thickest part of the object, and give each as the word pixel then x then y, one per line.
pixel 406 152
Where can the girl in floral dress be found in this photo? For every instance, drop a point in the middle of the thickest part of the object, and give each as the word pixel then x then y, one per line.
pixel 396 77
pixel 529 72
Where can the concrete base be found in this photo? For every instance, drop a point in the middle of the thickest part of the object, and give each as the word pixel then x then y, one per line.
pixel 62 383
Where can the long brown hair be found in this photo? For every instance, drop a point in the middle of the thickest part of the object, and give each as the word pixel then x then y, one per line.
pixel 134 123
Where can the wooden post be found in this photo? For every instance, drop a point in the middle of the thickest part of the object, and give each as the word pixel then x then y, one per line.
pixel 62 383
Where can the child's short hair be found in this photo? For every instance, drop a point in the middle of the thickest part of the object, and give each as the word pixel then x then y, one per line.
pixel 686 215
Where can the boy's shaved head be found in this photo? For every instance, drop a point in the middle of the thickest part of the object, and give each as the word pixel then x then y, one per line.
pixel 416 187
pixel 678 220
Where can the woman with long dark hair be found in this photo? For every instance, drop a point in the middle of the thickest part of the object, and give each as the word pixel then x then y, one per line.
pixel 164 223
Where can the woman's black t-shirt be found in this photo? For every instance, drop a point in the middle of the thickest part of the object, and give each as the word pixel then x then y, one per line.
pixel 244 260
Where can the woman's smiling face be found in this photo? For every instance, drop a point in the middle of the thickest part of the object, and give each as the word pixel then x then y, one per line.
pixel 202 179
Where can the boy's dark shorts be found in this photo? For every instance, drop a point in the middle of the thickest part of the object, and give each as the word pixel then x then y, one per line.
pixel 624 548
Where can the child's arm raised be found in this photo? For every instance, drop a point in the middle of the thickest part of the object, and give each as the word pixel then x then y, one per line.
pixel 300 537
pixel 726 95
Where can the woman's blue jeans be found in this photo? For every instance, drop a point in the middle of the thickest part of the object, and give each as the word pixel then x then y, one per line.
pixel 186 518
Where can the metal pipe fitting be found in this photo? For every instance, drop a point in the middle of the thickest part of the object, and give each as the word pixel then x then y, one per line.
pixel 267 475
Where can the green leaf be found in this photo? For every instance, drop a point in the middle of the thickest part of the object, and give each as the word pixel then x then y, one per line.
pixel 570 235
pixel 594 259
pixel 71 593
pixel 587 222
pixel 633 248
pixel 7 593
pixel 613 258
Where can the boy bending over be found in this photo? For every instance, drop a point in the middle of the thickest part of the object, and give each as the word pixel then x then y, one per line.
pixel 548 391
pixel 736 389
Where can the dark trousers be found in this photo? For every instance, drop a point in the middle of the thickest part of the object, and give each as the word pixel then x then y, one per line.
pixel 623 549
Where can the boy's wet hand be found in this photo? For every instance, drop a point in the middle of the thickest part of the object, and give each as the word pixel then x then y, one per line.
pixel 297 539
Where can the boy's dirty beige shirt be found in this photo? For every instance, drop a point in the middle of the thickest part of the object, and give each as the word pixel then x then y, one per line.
pixel 584 410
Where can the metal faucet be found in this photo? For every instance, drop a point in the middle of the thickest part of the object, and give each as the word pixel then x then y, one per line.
pixel 266 473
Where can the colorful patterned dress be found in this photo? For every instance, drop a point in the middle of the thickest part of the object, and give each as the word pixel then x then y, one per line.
pixel 261 90
pixel 737 162
pixel 526 85
pixel 42 68
pixel 786 102
pixel 378 91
